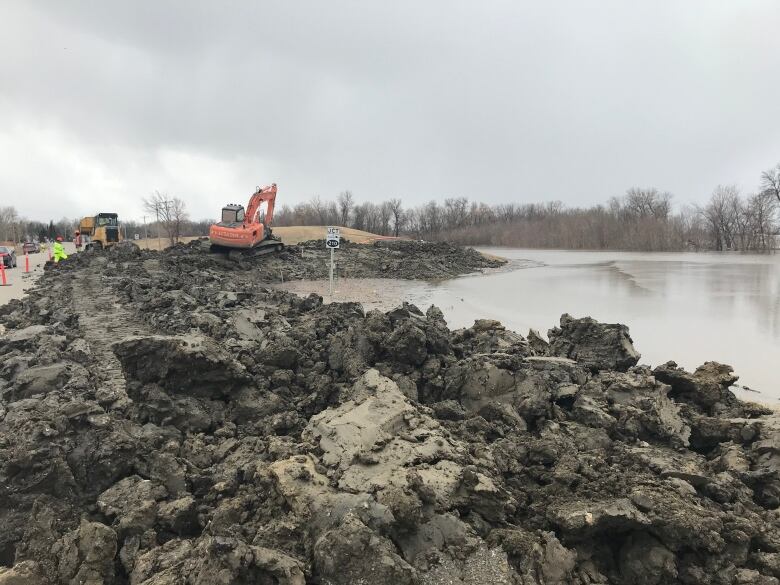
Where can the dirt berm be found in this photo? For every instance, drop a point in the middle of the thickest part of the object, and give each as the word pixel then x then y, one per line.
pixel 172 422
pixel 405 259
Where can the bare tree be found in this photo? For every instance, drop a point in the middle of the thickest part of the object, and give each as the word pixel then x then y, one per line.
pixel 385 215
pixel 396 208
pixel 721 215
pixel 283 216
pixel 744 222
pixel 359 220
pixel 762 209
pixel 455 212
pixel 8 223
pixel 346 203
pixel 770 181
pixel 643 203
pixel 691 228
pixel 372 220
pixel 507 212
pixel 320 209
pixel 431 218
pixel 170 213
pixel 332 213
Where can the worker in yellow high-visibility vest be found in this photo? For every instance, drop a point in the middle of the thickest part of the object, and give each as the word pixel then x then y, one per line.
pixel 59 250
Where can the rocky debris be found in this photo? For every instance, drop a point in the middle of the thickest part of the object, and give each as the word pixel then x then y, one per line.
pixel 707 386
pixel 595 345
pixel 87 554
pixel 191 364
pixel 23 337
pixel 266 438
pixel 537 343
pixel 24 573
pixel 218 561
pixel 41 379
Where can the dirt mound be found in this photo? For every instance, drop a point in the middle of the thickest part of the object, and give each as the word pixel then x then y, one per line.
pixel 383 259
pixel 258 437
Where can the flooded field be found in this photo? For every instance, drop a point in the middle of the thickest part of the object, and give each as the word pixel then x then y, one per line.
pixel 688 307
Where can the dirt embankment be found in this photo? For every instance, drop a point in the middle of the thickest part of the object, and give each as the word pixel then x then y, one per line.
pixel 236 434
pixel 310 260
pixel 288 234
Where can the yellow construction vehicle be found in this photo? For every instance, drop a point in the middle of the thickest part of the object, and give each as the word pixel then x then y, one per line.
pixel 100 231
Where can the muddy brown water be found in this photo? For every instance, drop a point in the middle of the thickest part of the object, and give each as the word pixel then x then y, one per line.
pixel 686 307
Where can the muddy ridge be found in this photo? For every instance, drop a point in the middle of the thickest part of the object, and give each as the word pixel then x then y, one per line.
pixel 242 435
pixel 405 259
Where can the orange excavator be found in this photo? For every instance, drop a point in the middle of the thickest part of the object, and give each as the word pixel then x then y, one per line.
pixel 247 232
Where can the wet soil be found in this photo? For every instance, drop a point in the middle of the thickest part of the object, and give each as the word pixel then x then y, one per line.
pixel 402 259
pixel 167 418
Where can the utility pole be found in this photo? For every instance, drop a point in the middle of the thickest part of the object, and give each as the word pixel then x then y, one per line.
pixel 146 234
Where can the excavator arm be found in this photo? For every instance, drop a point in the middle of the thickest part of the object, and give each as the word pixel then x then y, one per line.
pixel 262 195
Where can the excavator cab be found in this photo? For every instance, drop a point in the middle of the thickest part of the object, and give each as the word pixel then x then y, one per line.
pixel 232 215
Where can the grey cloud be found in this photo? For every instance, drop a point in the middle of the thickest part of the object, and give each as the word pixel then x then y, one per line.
pixel 493 100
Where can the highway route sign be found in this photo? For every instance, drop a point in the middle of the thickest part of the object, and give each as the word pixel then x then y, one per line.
pixel 332 238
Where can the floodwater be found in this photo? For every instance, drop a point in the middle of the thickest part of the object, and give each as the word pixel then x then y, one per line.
pixel 686 307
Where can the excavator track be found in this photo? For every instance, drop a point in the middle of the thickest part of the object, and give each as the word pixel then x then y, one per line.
pixel 263 249
pixel 103 321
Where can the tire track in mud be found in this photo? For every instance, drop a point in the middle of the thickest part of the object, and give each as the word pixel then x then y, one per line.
pixel 104 320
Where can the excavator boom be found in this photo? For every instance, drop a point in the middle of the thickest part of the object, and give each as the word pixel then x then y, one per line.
pixel 265 195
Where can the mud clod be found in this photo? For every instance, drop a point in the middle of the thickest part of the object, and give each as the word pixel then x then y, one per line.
pixel 168 419
pixel 595 345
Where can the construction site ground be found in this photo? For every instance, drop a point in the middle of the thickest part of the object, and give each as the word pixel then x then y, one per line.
pixel 168 418
pixel 19 281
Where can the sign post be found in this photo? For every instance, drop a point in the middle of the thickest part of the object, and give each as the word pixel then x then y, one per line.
pixel 331 271
pixel 332 239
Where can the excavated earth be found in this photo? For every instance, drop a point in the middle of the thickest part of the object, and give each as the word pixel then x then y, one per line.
pixel 383 259
pixel 166 419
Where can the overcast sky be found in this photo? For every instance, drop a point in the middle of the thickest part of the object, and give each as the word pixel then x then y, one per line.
pixel 103 102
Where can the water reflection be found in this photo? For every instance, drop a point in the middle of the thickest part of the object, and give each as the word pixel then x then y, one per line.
pixel 687 307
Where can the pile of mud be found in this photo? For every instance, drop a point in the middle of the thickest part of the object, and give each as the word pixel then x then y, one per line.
pixel 403 259
pixel 165 423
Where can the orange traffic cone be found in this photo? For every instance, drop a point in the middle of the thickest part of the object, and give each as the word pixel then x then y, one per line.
pixel 3 280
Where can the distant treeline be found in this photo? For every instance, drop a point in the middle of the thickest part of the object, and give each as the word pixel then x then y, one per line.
pixel 153 229
pixel 641 219
pixel 16 229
